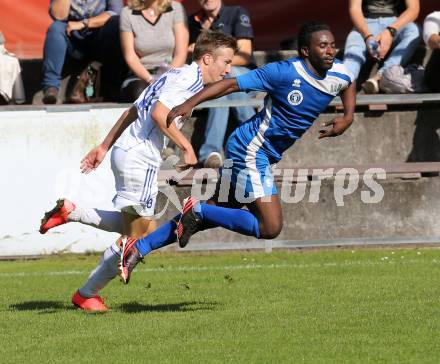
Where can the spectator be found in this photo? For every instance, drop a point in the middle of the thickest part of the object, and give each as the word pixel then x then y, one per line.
pixel 82 30
pixel 382 28
pixel 431 36
pixel 154 37
pixel 11 83
pixel 235 21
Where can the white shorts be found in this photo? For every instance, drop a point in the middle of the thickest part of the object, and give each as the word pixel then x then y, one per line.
pixel 135 180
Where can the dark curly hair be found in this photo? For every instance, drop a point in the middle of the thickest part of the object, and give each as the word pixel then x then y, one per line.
pixel 306 30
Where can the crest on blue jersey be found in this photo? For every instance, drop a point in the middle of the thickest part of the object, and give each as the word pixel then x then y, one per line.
pixel 295 97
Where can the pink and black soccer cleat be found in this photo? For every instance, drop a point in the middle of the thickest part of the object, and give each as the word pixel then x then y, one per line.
pixel 57 216
pixel 189 223
pixel 130 257
pixel 92 304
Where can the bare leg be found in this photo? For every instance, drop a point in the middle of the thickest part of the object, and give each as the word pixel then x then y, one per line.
pixel 269 214
pixel 137 226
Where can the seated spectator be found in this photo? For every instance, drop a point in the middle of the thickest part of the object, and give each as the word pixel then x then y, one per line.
pixel 11 83
pixel 154 37
pixel 235 21
pixel 431 36
pixel 384 31
pixel 83 30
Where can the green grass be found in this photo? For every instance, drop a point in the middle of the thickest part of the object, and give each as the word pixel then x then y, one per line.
pixel 377 306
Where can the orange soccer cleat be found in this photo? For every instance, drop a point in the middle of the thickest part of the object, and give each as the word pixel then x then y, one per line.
pixel 189 223
pixel 130 257
pixel 57 216
pixel 92 304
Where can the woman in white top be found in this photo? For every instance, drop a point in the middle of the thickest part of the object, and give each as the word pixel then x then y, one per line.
pixel 154 37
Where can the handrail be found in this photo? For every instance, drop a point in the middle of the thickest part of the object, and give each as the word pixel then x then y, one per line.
pixel 361 100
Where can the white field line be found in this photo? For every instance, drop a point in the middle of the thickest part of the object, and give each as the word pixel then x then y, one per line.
pixel 366 263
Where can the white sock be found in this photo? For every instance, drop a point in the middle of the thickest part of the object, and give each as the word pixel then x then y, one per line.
pixel 104 220
pixel 106 270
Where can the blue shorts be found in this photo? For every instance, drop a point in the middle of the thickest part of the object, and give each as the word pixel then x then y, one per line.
pixel 251 171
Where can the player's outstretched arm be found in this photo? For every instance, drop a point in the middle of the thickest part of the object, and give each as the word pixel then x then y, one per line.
pixel 93 159
pixel 341 123
pixel 214 90
pixel 159 115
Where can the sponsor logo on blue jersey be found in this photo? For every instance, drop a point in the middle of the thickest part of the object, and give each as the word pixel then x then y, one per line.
pixel 296 82
pixel 336 88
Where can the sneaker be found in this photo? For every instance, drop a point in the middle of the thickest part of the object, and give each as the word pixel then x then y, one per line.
pixel 371 86
pixel 189 223
pixel 92 304
pixel 50 95
pixel 4 99
pixel 57 216
pixel 130 257
pixel 214 160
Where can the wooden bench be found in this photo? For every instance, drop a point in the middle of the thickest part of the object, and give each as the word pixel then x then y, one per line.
pixel 395 170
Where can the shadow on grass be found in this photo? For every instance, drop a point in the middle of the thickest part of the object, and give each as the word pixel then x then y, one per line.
pixel 46 307
pixel 134 307
pixel 42 306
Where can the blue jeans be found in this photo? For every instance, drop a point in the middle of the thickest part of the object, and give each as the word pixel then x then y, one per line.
pixel 218 117
pixel 101 45
pixel 405 43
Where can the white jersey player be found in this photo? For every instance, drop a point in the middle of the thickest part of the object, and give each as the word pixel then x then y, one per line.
pixel 136 155
pixel 138 138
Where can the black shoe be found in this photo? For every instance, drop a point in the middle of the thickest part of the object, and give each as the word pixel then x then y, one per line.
pixel 4 99
pixel 130 257
pixel 50 95
pixel 189 222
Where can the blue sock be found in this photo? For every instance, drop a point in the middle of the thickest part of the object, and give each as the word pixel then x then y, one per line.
pixel 240 221
pixel 162 236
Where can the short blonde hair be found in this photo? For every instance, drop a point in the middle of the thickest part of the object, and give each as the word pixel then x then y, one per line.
pixel 210 40
pixel 140 5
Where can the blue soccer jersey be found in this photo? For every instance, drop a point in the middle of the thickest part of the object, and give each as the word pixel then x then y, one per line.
pixel 295 98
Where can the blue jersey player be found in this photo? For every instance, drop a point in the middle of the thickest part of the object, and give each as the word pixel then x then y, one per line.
pixel 298 90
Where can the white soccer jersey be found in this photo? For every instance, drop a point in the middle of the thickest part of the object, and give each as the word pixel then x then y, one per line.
pixel 171 89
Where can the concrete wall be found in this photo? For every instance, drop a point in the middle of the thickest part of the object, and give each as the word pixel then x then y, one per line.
pixel 374 137
pixel 408 209
pixel 40 152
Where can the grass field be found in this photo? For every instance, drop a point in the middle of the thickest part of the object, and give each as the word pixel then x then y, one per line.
pixel 326 306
